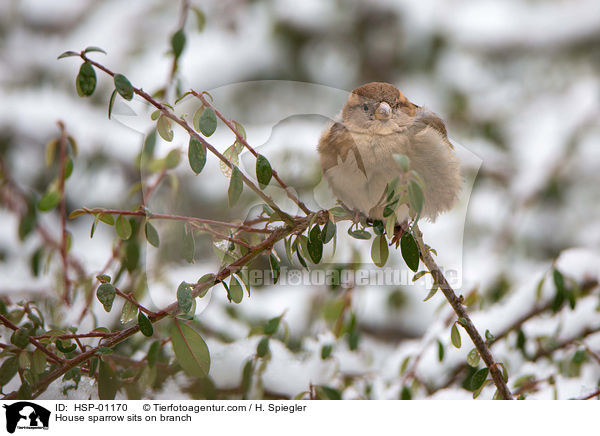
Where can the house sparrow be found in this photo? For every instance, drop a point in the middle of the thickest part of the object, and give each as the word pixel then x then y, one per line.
pixel 357 152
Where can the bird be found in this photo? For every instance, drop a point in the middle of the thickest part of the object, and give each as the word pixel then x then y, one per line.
pixel 358 151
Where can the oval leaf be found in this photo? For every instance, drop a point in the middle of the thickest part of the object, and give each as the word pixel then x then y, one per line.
pixel 178 42
pixel 86 80
pixel 184 297
pixel 379 251
pixel 123 86
pixel 190 350
pixel 455 336
pixel 145 324
pixel 207 122
pixel 196 155
pixel 123 227
pixel 49 201
pixel 264 172
pixel 106 295
pixel 108 382
pixel 235 186
pixel 473 358
pixel 236 293
pixel 152 234
pixel 410 251
pixel 164 129
pixel 479 378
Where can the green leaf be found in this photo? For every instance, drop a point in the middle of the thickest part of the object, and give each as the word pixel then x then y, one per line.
pixel 403 161
pixel 455 336
pixel 479 378
pixel 490 338
pixel 378 227
pixel 8 370
pixel 247 376
pixel 327 393
pixel 326 351
pixel 275 267
pixel 189 246
pixel 49 201
pixel 236 292
pixel 207 122
pixel 328 232
pixel 20 338
pixel 264 172
pixel 106 219
pixel 315 245
pixel 145 324
pixel 190 350
pixel 86 80
pixel 418 275
pixel 359 234
pixel 441 350
pixel 128 312
pixel 108 382
pixel 152 234
pixel 410 251
pixel 196 155
pixel 111 103
pixel 272 325
pixel 178 42
pixel 67 54
pixel 406 393
pixel 123 227
pixel 200 19
pixel 123 86
pixel 106 295
pixel 172 159
pixel 94 49
pixel 379 251
pixel 338 211
pixel 184 297
pixel 263 347
pixel 415 197
pixel 473 358
pixel 232 156
pixel 432 292
pixel 38 361
pixel 163 126
pixel 153 353
pixel 235 186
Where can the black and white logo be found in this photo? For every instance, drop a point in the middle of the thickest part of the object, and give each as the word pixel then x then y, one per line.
pixel 26 415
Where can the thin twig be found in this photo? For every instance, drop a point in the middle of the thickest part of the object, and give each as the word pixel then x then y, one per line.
pixel 463 316
pixel 63 212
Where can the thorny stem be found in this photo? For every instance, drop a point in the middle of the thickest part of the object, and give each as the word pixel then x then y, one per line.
pixel 461 312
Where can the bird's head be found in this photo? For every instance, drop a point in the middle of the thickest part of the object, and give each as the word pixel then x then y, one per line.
pixel 378 106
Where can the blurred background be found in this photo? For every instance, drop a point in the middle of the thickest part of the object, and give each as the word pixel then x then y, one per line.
pixel 517 83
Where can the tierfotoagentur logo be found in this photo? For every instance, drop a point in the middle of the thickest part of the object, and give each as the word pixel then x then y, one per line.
pixel 26 416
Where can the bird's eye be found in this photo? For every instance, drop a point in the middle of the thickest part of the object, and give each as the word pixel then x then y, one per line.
pixel 366 107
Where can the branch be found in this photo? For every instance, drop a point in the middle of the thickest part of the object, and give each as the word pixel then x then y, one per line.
pixel 462 314
pixel 173 309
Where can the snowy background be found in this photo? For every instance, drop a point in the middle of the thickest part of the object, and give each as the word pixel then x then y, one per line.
pixel 518 84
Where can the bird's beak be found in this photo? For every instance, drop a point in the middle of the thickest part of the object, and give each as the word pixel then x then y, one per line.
pixel 383 111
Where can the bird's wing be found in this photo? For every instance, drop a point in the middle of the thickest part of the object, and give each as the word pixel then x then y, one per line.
pixel 336 142
pixel 429 119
